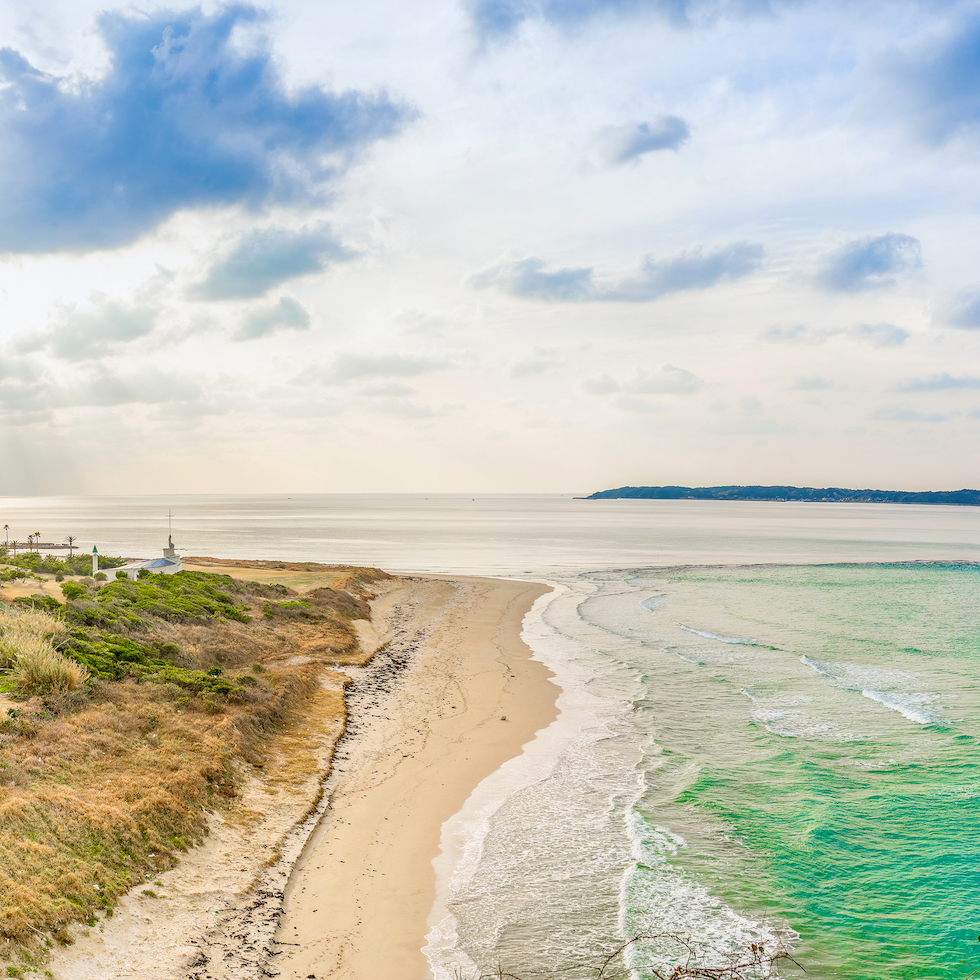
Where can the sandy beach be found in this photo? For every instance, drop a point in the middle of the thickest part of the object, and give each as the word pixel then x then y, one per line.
pixel 357 902
pixel 307 883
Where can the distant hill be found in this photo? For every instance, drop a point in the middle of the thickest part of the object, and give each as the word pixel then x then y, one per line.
pixel 965 498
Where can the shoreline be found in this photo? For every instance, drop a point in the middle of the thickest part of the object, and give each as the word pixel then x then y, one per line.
pixel 329 872
pixel 359 897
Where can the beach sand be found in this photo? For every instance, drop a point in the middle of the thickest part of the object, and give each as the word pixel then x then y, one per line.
pixel 357 902
pixel 353 880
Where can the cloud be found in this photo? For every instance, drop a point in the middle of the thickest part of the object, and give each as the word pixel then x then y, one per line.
pixel 183 118
pixel 539 361
pixel 810 383
pixel 869 263
pixel 353 366
pixel 965 311
pixel 101 389
pixel 266 258
pixel 875 334
pixel 147 387
pixel 287 314
pixel 528 278
pixel 621 144
pixel 879 334
pixel 939 382
pixel 796 333
pixel 694 268
pixel 86 334
pixel 600 384
pixel 495 19
pixel 935 87
pixel 666 379
pixel 907 415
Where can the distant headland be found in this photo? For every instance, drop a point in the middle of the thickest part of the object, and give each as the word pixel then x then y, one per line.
pixel 964 498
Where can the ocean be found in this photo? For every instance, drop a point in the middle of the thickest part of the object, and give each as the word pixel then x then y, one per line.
pixel 769 719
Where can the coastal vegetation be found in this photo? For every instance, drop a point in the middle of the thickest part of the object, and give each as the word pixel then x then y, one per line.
pixel 129 710
pixel 964 498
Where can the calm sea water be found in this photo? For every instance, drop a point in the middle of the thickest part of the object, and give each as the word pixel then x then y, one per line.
pixel 770 717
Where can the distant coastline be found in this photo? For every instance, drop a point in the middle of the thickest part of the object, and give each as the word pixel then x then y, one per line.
pixel 962 498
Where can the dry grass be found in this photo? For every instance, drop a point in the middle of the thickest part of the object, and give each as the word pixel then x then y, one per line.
pixel 104 783
pixel 26 651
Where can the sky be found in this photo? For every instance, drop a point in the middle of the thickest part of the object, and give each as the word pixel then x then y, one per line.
pixel 488 245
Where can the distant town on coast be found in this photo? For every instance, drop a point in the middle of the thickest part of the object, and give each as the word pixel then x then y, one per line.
pixel 963 498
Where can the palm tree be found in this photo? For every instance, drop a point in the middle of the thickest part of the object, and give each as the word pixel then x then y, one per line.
pixel 6 533
pixel 30 542
pixel 13 548
pixel 37 541
pixel 71 544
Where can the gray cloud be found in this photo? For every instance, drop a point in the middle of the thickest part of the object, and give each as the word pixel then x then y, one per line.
pixel 621 144
pixel 85 334
pixel 101 389
pixel 811 383
pixel 496 19
pixel 539 361
pixel 666 379
pixel 875 334
pixel 287 314
pixel 268 257
pixel 939 382
pixel 965 311
pixel 182 118
pixel 907 415
pixel 600 384
pixel 796 333
pixel 693 268
pixel 879 334
pixel 869 263
pixel 528 279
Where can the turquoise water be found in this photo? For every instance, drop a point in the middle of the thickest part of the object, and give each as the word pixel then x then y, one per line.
pixel 843 758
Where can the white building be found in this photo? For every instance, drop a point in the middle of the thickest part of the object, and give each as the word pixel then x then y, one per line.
pixel 169 564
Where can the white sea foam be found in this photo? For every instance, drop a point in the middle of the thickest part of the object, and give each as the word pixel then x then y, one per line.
pixel 654 602
pixel 583 717
pixel 915 707
pixel 721 639
pixel 879 684
pixel 671 903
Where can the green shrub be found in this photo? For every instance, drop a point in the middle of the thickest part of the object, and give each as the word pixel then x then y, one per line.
pixel 73 590
pixel 100 576
pixel 122 576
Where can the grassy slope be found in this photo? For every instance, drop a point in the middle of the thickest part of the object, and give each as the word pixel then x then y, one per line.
pixel 191 675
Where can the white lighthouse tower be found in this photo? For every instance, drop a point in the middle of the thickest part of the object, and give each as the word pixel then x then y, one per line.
pixel 95 560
